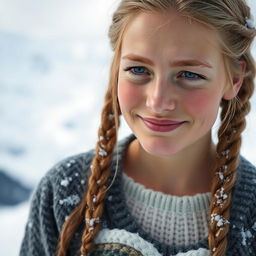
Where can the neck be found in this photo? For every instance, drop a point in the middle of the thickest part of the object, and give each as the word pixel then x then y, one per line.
pixel 185 173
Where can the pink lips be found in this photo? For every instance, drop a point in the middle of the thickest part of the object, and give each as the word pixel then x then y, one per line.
pixel 160 125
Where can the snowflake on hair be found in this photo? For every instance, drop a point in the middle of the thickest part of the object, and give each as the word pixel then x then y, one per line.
pixel 91 222
pixel 219 219
pixel 249 23
pixel 221 196
pixel 102 152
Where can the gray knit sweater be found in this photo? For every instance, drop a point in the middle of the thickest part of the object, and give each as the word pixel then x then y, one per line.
pixel 61 189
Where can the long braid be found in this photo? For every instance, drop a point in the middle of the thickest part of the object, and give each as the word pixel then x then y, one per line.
pixel 90 209
pixel 100 169
pixel 97 182
pixel 228 150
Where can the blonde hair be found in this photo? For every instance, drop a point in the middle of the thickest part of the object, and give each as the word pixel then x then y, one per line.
pixel 228 18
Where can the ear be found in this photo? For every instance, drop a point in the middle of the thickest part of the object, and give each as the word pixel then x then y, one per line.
pixel 237 81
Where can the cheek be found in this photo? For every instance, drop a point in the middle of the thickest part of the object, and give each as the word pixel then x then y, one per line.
pixel 128 95
pixel 202 103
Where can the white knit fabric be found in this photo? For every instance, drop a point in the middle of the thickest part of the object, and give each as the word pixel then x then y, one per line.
pixel 108 236
pixel 124 237
pixel 199 252
pixel 169 219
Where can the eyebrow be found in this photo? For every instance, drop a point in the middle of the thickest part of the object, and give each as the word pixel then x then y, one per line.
pixel 177 63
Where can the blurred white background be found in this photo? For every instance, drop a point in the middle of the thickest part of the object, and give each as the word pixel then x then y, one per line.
pixel 54 63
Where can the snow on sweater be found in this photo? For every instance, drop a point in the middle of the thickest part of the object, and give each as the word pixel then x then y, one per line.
pixel 61 189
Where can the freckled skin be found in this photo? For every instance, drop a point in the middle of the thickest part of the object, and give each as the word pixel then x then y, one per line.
pixel 162 96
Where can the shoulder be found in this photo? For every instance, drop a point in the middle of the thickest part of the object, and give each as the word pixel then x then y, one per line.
pixel 69 175
pixel 246 186
pixel 246 167
pixel 246 178
pixel 63 186
pixel 57 194
pixel 243 209
pixel 72 166
pixel 244 193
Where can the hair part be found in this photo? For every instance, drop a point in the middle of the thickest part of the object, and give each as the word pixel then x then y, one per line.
pixel 227 17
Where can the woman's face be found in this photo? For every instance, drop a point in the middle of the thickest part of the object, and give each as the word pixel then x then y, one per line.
pixel 171 81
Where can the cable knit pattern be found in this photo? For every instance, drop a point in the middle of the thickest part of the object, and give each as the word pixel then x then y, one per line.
pixel 169 219
pixel 62 187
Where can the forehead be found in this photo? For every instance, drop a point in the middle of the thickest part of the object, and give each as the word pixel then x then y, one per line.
pixel 170 34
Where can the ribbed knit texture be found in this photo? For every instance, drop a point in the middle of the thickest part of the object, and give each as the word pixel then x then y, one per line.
pixel 169 219
pixel 62 187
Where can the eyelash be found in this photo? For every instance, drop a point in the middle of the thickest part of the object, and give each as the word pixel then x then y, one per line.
pixel 131 71
pixel 195 74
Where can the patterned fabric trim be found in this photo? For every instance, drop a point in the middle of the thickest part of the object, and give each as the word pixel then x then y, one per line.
pixel 110 249
pixel 129 239
pixel 121 241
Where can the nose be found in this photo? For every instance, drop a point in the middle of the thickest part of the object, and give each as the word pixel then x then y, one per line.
pixel 161 97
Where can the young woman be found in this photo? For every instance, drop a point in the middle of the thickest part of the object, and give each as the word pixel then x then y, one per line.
pixel 167 189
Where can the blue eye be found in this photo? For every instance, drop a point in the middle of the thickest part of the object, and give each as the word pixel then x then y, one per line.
pixel 137 71
pixel 191 76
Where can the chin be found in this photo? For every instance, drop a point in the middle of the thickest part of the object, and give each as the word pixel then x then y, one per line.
pixel 158 146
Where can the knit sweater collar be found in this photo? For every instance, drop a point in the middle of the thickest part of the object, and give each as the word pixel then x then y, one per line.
pixel 117 211
pixel 164 202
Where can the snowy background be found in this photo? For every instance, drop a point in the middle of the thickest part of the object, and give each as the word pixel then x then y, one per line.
pixel 54 63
